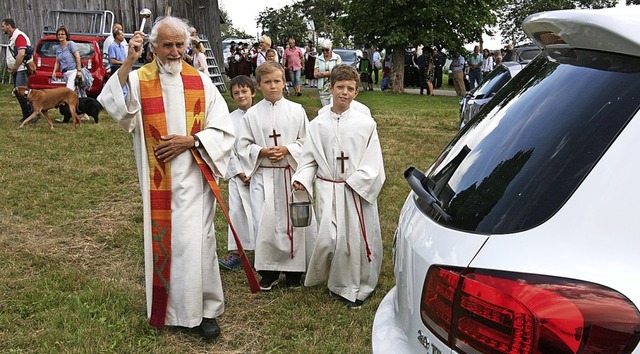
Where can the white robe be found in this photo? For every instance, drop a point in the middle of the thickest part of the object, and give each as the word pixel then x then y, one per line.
pixel 339 255
pixel 195 290
pixel 239 198
pixel 270 191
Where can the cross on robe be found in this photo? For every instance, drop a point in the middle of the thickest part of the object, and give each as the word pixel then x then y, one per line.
pixel 342 158
pixel 275 137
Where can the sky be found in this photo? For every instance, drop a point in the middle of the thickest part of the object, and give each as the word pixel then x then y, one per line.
pixel 243 13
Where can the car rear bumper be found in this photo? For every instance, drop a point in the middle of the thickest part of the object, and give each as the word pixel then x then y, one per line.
pixel 387 335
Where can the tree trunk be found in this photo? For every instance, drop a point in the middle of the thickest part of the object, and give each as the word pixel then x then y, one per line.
pixel 397 69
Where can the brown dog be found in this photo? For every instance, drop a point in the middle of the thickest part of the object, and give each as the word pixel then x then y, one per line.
pixel 44 100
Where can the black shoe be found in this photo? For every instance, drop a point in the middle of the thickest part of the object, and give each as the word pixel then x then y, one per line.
pixel 298 94
pixel 267 283
pixel 353 305
pixel 294 280
pixel 209 328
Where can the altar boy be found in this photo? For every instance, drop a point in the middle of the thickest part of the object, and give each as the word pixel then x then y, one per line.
pixel 343 159
pixel 269 146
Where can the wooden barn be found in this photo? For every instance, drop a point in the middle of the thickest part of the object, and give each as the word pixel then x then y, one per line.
pixel 32 16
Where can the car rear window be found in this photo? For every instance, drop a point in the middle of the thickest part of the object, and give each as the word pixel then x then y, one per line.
pixel 47 49
pixel 518 161
pixel 346 55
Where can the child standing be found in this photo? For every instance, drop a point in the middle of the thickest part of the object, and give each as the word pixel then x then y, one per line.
pixel 243 89
pixel 269 146
pixel 343 158
pixel 365 69
pixel 272 56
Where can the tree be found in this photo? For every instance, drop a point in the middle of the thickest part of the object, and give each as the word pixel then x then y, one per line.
pixel 407 23
pixel 513 14
pixel 325 15
pixel 228 31
pixel 282 24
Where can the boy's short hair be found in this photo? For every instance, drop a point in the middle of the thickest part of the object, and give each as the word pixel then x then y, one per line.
pixel 344 72
pixel 267 68
pixel 242 81
pixel 271 50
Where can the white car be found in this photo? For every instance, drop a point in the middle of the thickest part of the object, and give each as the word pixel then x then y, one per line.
pixel 524 235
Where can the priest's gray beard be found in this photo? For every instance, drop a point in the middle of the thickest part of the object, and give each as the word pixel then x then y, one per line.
pixel 172 66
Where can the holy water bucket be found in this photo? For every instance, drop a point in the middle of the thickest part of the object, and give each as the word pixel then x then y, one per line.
pixel 300 213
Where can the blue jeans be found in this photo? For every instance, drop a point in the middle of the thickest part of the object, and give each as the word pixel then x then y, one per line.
pixel 295 77
pixel 475 77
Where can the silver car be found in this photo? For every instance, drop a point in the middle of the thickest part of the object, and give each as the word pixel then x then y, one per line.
pixel 349 57
pixel 474 100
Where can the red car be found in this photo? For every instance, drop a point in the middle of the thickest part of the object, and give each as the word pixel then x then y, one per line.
pixel 90 49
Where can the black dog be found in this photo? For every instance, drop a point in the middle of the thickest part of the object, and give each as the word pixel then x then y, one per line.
pixel 87 105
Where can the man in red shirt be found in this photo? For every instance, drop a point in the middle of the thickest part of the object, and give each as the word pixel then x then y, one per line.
pixel 294 61
pixel 16 63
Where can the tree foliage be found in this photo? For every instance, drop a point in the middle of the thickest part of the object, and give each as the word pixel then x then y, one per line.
pixel 513 14
pixel 282 24
pixel 407 23
pixel 325 15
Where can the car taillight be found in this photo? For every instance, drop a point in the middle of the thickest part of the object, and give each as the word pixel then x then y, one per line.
pixel 89 64
pixel 39 62
pixel 478 310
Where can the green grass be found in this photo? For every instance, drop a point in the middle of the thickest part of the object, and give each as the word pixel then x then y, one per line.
pixel 71 267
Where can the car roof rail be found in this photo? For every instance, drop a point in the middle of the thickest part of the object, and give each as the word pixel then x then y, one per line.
pixel 84 22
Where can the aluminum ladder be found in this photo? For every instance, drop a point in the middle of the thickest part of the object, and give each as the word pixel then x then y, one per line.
pixel 212 66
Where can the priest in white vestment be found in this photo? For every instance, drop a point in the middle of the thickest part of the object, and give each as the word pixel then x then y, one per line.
pixel 342 157
pixel 195 295
pixel 269 145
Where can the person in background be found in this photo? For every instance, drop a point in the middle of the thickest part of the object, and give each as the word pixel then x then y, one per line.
pixel 309 64
pixel 175 114
pixel 326 61
pixel 508 54
pixel 487 62
pixel 243 90
pixel 269 144
pixel 188 53
pixel 198 57
pixel 265 44
pixel 365 68
pixel 117 52
pixel 342 162
pixel 475 68
pixel 294 61
pixel 377 63
pixel 253 55
pixel 457 70
pixel 16 54
pixel 111 39
pixel 272 56
pixel 439 59
pixel 67 59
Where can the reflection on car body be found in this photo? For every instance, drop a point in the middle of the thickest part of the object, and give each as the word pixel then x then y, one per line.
pixel 474 100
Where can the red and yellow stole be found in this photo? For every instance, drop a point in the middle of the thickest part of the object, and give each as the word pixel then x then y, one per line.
pixel 155 126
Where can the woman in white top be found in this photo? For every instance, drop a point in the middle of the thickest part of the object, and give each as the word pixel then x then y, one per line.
pixel 487 62
pixel 199 59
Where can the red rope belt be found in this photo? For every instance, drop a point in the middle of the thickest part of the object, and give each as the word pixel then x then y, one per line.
pixel 357 202
pixel 288 199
